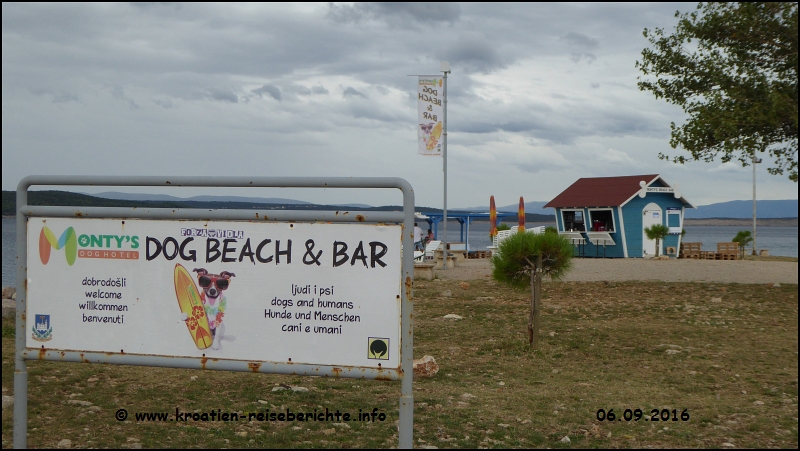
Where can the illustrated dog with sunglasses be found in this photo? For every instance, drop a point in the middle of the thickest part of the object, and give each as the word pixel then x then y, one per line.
pixel 215 302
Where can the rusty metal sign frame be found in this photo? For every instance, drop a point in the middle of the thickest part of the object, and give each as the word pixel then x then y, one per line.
pixel 406 218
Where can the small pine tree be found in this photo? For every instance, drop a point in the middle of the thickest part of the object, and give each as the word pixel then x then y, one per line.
pixel 521 261
pixel 743 237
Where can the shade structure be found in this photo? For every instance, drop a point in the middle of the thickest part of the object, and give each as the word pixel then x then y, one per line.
pixel 521 215
pixel 492 218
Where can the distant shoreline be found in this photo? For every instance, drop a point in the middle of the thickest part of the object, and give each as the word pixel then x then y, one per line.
pixel 766 222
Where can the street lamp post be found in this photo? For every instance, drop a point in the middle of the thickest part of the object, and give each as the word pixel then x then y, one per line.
pixel 756 160
pixel 445 66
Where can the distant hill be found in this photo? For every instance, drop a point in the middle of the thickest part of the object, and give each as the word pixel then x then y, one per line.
pixel 165 197
pixel 238 199
pixel 744 209
pixel 64 198
pixel 533 210
pixel 530 207
pixel 733 209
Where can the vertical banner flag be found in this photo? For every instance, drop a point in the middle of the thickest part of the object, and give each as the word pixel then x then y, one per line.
pixel 430 108
pixel 521 215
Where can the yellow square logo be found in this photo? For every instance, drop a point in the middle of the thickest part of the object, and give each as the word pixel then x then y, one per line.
pixel 378 348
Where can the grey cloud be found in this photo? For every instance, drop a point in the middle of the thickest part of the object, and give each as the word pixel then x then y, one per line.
pixel 580 43
pixel 222 95
pixel 351 92
pixel 119 94
pixel 303 91
pixel 270 90
pixel 164 103
pixel 581 40
pixel 578 56
pixel 541 165
pixel 298 89
pixel 65 97
pixel 556 125
pixel 61 97
pixel 595 85
pixel 473 50
pixel 398 14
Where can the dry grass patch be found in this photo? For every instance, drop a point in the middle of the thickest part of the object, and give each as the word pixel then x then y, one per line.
pixel 726 353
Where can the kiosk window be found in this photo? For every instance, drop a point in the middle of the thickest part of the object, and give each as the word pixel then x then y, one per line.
pixel 674 219
pixel 601 221
pixel 573 220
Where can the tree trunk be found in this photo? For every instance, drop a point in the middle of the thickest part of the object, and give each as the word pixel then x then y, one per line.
pixel 658 246
pixel 533 307
pixel 537 295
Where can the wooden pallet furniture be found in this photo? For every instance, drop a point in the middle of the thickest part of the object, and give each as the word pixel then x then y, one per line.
pixel 691 250
pixel 727 251
pixel 708 255
pixel 477 254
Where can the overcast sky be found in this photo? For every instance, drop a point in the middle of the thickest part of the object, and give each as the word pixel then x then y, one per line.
pixel 539 96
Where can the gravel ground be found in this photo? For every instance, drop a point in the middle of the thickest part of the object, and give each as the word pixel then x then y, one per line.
pixel 592 270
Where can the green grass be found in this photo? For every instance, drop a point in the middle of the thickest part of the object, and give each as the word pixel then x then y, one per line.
pixel 603 347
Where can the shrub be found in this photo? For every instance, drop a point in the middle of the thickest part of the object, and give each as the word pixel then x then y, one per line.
pixel 521 261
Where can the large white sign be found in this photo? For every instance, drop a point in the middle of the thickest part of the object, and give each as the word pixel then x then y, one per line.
pixel 324 294
pixel 430 109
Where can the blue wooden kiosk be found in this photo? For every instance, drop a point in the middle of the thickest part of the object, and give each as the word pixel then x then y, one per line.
pixel 611 213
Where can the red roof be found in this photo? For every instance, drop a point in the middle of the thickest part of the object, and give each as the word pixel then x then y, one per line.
pixel 600 191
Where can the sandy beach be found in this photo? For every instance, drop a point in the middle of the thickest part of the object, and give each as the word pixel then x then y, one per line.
pixel 595 270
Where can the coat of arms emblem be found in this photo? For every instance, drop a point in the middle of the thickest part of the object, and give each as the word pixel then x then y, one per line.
pixel 42 331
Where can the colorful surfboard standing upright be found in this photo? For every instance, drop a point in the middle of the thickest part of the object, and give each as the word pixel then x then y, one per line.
pixel 191 303
pixel 521 215
pixel 492 218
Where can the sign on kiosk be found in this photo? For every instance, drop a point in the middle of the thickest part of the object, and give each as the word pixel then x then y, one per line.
pixel 324 294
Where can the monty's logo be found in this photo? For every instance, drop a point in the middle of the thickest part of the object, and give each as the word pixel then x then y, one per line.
pixel 68 241
pixel 100 246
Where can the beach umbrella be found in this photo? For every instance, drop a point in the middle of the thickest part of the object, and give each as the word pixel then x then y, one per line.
pixel 492 218
pixel 521 215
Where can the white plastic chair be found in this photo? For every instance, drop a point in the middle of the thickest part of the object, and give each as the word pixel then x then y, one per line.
pixel 430 249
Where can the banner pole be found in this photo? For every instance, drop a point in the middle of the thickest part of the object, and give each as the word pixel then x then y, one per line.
pixel 446 69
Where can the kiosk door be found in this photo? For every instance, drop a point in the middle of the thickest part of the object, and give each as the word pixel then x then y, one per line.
pixel 651 215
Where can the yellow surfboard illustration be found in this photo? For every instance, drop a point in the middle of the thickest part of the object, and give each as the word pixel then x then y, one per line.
pixel 190 303
pixel 435 135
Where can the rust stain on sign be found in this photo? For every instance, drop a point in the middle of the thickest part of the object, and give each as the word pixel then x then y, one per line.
pixel 254 366
pixel 360 218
